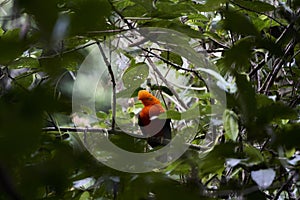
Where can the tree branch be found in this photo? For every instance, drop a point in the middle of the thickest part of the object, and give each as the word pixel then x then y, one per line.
pixel 177 66
pixel 283 187
pixel 166 82
pixel 112 76
pixel 111 131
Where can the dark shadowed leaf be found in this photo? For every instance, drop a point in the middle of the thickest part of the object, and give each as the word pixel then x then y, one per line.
pixel 258 6
pixel 162 88
pixel 246 98
pixel 288 136
pixel 239 54
pixel 173 57
pixel 275 111
pixel 214 161
pixel 11 45
pixel 239 23
pixel 45 14
pixel 88 15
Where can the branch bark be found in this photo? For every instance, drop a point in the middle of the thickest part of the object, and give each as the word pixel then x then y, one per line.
pixel 112 76
pixel 110 131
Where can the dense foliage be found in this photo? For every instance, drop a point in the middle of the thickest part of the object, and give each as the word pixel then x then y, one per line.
pixel 253 44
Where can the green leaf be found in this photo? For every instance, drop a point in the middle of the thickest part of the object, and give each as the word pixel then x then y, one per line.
pixel 88 15
pixel 198 17
pixel 101 115
pixel 212 5
pixel 146 4
pixel 170 10
pixel 239 54
pixel 196 111
pixel 25 62
pixel 288 136
pixel 231 124
pixel 274 111
pixel 254 156
pixel 162 88
pixel 258 6
pixel 45 14
pixel 54 64
pixel 173 57
pixel 11 46
pixel 246 99
pixel 85 195
pixel 176 25
pixel 128 142
pixel 170 114
pixel 129 92
pixel 262 22
pixel 135 75
pixel 239 23
pixel 71 61
pixel 214 161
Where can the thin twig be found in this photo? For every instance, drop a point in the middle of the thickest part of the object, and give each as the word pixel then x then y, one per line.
pixel 167 83
pixel 130 26
pixel 177 66
pixel 271 77
pixel 68 51
pixel 283 187
pixel 113 81
pixel 108 31
pixel 257 67
pixel 111 131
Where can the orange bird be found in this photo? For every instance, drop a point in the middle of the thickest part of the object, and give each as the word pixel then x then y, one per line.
pixel 155 129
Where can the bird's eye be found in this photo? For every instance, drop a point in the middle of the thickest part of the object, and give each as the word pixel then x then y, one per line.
pixel 149 98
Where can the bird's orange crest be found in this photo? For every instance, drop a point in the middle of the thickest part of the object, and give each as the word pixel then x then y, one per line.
pixel 147 98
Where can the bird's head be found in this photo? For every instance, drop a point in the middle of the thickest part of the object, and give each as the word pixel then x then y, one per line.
pixel 147 98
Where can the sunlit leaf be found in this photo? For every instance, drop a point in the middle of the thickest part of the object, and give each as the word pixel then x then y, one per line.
pixel 232 162
pixel 84 184
pixel 263 178
pixel 26 62
pixel 170 114
pixel 85 195
pixel 135 75
pixel 231 125
pixel 101 115
pixel 295 160
pixel 213 4
pixel 254 156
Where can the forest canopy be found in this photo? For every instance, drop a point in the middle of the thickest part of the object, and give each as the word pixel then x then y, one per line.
pixel 227 72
